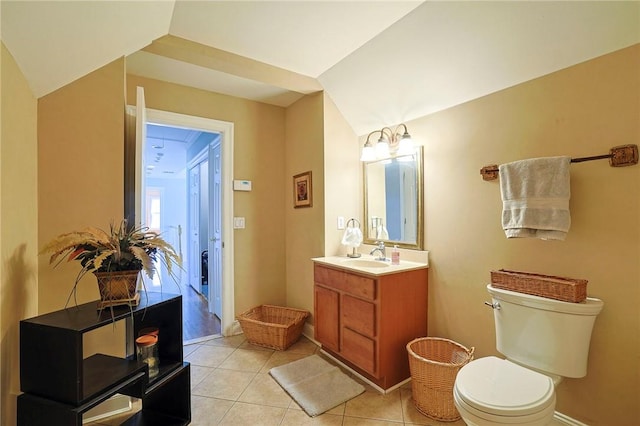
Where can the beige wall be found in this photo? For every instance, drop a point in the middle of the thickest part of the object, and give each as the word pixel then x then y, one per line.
pixel 343 177
pixel 580 111
pixel 258 156
pixel 18 223
pixel 80 171
pixel 304 229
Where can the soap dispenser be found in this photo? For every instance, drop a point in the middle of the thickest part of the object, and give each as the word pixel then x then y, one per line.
pixel 395 256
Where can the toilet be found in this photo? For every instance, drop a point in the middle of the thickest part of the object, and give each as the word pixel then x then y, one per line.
pixel 543 341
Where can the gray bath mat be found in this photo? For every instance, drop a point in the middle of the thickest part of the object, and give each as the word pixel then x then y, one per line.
pixel 316 385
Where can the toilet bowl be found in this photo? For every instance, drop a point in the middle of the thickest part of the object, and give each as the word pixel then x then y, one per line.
pixel 494 391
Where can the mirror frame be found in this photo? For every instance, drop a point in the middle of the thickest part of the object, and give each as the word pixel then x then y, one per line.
pixel 419 244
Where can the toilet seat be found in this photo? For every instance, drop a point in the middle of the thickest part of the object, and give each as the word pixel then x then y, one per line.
pixel 492 387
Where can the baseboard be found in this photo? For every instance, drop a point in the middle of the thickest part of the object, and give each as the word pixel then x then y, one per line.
pixel 308 332
pixel 566 420
pixel 233 329
pixel 364 379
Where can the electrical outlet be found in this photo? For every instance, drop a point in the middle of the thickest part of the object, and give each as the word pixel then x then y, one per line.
pixel 340 222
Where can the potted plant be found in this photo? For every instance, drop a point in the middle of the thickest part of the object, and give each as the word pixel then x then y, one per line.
pixel 115 258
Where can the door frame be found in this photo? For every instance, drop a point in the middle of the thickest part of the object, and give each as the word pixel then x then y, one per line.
pixel 226 131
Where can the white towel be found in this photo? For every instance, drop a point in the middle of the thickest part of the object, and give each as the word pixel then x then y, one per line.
pixel 535 198
pixel 382 233
pixel 352 237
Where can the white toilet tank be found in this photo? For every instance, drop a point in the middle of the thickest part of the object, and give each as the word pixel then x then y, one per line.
pixel 545 334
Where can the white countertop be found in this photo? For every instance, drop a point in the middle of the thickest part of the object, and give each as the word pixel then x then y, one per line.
pixel 368 265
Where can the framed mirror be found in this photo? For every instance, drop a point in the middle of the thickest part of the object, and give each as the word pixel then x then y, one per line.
pixel 393 197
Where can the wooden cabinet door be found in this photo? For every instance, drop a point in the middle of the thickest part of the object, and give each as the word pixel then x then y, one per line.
pixel 327 317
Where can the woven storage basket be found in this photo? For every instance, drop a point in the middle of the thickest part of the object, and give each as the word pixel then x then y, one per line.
pixel 273 327
pixel 559 288
pixel 434 364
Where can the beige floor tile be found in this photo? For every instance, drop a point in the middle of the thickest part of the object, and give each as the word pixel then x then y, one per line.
pixel 187 349
pixel 243 414
pixel 208 411
pixel 264 390
pixel 209 356
pixel 281 358
pixel 249 346
pixel 356 421
pixel 246 360
pixel 304 346
pixel 374 405
pixel 413 417
pixel 231 386
pixel 300 418
pixel 198 373
pixel 231 342
pixel 339 410
pixel 224 384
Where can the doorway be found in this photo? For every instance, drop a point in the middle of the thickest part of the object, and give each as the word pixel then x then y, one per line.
pixel 222 240
pixel 181 204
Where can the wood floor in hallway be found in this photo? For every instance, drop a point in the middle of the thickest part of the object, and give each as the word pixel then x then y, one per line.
pixel 197 321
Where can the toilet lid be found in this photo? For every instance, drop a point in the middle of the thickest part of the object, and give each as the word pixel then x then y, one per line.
pixel 502 388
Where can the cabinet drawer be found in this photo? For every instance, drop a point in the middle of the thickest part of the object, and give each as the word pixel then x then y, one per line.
pixel 359 349
pixel 359 315
pixel 350 283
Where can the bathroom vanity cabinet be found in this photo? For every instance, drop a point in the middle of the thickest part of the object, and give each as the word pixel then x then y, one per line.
pixel 60 384
pixel 366 320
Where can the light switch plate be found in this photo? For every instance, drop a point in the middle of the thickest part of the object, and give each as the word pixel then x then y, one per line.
pixel 340 222
pixel 238 222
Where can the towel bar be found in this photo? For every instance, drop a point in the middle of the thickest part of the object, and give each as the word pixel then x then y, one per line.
pixel 619 156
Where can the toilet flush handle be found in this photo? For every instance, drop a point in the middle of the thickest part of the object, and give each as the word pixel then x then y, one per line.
pixel 495 305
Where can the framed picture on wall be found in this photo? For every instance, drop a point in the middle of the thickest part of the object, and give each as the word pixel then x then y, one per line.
pixel 302 191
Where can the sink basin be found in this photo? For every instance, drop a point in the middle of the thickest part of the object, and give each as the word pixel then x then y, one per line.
pixel 365 263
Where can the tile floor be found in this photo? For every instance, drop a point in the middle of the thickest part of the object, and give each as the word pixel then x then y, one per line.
pixel 230 385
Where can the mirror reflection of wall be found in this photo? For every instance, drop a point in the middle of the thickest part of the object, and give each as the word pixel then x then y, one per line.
pixel 393 200
pixel 400 191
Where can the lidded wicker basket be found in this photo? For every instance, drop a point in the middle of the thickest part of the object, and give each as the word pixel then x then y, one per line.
pixel 273 327
pixel 434 363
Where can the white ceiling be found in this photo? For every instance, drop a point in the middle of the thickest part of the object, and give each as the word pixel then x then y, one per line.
pixel 381 62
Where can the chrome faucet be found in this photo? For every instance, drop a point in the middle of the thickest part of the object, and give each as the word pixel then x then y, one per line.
pixel 381 249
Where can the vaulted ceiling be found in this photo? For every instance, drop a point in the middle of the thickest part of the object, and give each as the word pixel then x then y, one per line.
pixel 382 62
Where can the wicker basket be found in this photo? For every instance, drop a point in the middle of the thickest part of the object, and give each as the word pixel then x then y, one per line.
pixel 434 363
pixel 559 288
pixel 118 288
pixel 273 327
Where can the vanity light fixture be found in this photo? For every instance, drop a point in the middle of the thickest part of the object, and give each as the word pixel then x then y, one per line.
pixel 390 143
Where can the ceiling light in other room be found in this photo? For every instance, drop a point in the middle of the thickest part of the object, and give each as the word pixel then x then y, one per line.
pixel 158 145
